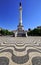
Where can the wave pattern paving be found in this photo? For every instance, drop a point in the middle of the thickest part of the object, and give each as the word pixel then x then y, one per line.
pixel 20 51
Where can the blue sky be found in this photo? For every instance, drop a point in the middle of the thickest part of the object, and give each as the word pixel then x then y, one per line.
pixel 9 13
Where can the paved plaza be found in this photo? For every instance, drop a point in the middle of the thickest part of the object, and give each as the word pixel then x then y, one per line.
pixel 20 50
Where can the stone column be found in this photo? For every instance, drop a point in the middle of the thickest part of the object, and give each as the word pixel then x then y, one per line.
pixel 20 13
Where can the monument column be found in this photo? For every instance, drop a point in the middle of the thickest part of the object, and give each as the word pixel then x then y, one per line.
pixel 20 13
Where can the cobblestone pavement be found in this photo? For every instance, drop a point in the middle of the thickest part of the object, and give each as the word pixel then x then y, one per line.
pixel 20 51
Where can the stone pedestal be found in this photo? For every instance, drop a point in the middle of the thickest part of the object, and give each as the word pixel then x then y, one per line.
pixel 21 33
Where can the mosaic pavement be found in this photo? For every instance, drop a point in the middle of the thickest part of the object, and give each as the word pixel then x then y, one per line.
pixel 20 51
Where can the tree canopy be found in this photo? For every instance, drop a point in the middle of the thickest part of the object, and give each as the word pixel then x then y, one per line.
pixel 34 32
pixel 6 32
